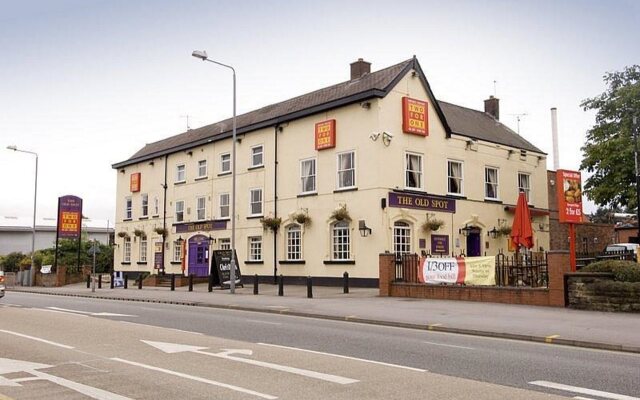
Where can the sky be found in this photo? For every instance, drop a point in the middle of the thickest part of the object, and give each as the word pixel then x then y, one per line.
pixel 86 84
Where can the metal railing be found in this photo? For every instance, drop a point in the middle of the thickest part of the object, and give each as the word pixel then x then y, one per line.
pixel 584 259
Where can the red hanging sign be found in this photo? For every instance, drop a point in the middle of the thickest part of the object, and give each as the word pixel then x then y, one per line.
pixel 134 184
pixel 415 116
pixel 326 134
pixel 569 189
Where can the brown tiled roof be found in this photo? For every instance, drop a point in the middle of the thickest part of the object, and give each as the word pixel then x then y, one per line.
pixel 467 122
pixel 480 125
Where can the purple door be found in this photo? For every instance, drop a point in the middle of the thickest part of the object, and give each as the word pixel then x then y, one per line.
pixel 199 255
pixel 473 244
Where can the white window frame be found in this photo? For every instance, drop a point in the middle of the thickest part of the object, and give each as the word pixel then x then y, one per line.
pixel 202 164
pixel 304 178
pixel 145 205
pixel 294 243
pixel 339 171
pixel 224 162
pixel 461 178
pixel 181 219
pixel 341 250
pixel 407 171
pixel 202 199
pixel 255 248
pixel 144 246
pixel 252 202
pixel 526 190
pixel 255 154
pixel 181 169
pixel 126 250
pixel 402 237
pixel 224 243
pixel 222 206
pixel 128 208
pixel 177 251
pixel 487 183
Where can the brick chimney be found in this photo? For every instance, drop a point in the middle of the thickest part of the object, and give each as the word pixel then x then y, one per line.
pixel 360 68
pixel 492 107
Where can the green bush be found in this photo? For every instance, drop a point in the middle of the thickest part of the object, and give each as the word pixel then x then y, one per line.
pixel 11 262
pixel 623 271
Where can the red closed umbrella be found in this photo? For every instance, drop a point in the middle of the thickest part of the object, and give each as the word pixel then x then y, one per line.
pixel 521 231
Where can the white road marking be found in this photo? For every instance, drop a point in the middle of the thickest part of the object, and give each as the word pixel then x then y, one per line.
pixel 583 398
pixel 171 329
pixel 580 390
pixel 345 357
pixel 95 314
pixel 60 312
pixel 196 378
pixel 448 345
pixel 264 322
pixel 64 346
pixel 227 355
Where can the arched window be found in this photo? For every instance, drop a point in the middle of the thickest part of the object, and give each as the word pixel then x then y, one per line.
pixel 341 241
pixel 294 242
pixel 401 237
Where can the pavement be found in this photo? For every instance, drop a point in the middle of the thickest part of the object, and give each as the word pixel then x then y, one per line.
pixel 559 326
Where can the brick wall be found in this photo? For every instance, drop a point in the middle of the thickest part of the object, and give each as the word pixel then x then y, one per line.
pixel 598 291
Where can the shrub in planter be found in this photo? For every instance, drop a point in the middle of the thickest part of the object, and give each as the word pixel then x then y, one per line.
pixel 301 218
pixel 341 214
pixel 623 271
pixel 432 225
pixel 123 234
pixel 271 223
pixel 139 232
pixel 160 231
pixel 504 231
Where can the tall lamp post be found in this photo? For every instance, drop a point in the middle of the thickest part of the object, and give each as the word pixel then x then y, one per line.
pixel 35 196
pixel 201 54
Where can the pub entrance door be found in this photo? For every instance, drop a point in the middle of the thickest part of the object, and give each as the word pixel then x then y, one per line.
pixel 199 255
pixel 473 243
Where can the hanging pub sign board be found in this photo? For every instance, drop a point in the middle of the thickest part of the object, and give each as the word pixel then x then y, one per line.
pixel 134 183
pixel 221 268
pixel 415 116
pixel 69 217
pixel 439 244
pixel 569 186
pixel 326 134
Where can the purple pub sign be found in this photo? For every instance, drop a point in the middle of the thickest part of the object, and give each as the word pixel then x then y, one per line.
pixel 439 244
pixel 422 202
pixel 202 226
pixel 69 217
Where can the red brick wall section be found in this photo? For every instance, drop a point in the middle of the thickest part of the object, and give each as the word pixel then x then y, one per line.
pixel 386 265
pixel 558 265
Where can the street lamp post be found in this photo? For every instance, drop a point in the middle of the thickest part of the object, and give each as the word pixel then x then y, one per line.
pixel 35 197
pixel 201 54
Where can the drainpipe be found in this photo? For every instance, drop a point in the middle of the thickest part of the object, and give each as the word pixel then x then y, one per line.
pixel 164 212
pixel 276 129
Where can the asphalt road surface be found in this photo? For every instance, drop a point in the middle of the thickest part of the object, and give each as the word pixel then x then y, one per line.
pixel 66 347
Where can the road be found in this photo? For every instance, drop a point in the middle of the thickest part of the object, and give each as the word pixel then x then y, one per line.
pixel 136 354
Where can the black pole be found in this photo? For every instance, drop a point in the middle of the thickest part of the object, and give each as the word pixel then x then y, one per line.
pixel 88 281
pixel 126 280
pixel 345 279
pixel 55 255
pixel 255 284
pixel 275 201
pixel 210 288
pixel 173 282
pixel 99 281
pixel 280 285
pixel 140 282
pixel 309 288
pixel 79 243
pixel 191 282
pixel 112 284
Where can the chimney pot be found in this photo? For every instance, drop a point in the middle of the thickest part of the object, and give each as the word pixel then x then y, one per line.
pixel 360 68
pixel 492 107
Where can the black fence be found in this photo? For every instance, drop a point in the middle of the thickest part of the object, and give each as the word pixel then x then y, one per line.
pixel 584 259
pixel 525 270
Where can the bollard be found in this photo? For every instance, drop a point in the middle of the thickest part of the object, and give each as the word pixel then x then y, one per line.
pixel 126 281
pixel 309 288
pixel 191 282
pixel 140 282
pixel 88 281
pixel 280 285
pixel 255 284
pixel 345 278
pixel 99 281
pixel 113 276
pixel 173 282
pixel 210 288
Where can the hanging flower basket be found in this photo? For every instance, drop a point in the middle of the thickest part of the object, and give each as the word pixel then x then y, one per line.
pixel 432 225
pixel 271 223
pixel 160 231
pixel 123 234
pixel 139 232
pixel 341 214
pixel 504 231
pixel 301 218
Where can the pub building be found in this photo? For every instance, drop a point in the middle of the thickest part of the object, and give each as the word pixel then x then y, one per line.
pixel 328 180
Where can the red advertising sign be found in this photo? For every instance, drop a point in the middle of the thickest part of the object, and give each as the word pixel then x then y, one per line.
pixel 415 116
pixel 134 184
pixel 569 184
pixel 326 134
pixel 69 217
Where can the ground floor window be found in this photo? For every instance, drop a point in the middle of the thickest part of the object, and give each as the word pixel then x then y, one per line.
pixel 255 248
pixel 224 243
pixel 143 249
pixel 126 250
pixel 401 237
pixel 294 242
pixel 177 251
pixel 341 241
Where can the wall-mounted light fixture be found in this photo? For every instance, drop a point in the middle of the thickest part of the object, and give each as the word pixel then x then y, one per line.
pixel 493 233
pixel 466 230
pixel 180 240
pixel 122 171
pixel 366 105
pixel 386 138
pixel 151 163
pixel 364 230
pixel 190 153
pixel 211 239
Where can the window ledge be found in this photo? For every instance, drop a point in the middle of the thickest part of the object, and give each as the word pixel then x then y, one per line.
pixel 255 216
pixel 339 262
pixel 253 262
pixel 125 263
pixel 308 194
pixel 143 218
pixel 201 178
pixel 175 262
pixel 127 220
pixel 456 196
pixel 350 189
pixel 141 263
pixel 155 216
pixel 292 262
pixel 180 183
pixel 496 201
pixel 179 223
pixel 224 173
pixel 255 167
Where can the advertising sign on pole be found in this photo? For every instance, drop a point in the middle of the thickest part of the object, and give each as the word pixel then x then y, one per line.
pixel 569 184
pixel 69 217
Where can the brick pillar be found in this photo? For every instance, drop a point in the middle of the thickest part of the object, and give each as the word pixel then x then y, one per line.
pixel 386 263
pixel 558 265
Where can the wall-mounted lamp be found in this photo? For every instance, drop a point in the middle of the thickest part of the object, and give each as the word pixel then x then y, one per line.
pixel 493 233
pixel 465 231
pixel 366 105
pixel 180 240
pixel 510 153
pixel 386 138
pixel 472 145
pixel 211 239
pixel 151 163
pixel 122 171
pixel 364 230
pixel 190 153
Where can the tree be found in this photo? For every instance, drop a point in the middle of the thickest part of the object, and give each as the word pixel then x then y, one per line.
pixel 608 151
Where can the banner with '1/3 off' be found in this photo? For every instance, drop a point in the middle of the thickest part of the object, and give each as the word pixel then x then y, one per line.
pixel 460 270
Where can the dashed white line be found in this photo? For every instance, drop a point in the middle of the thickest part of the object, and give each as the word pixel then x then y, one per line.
pixel 264 322
pixel 64 346
pixel 345 357
pixel 581 390
pixel 448 345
